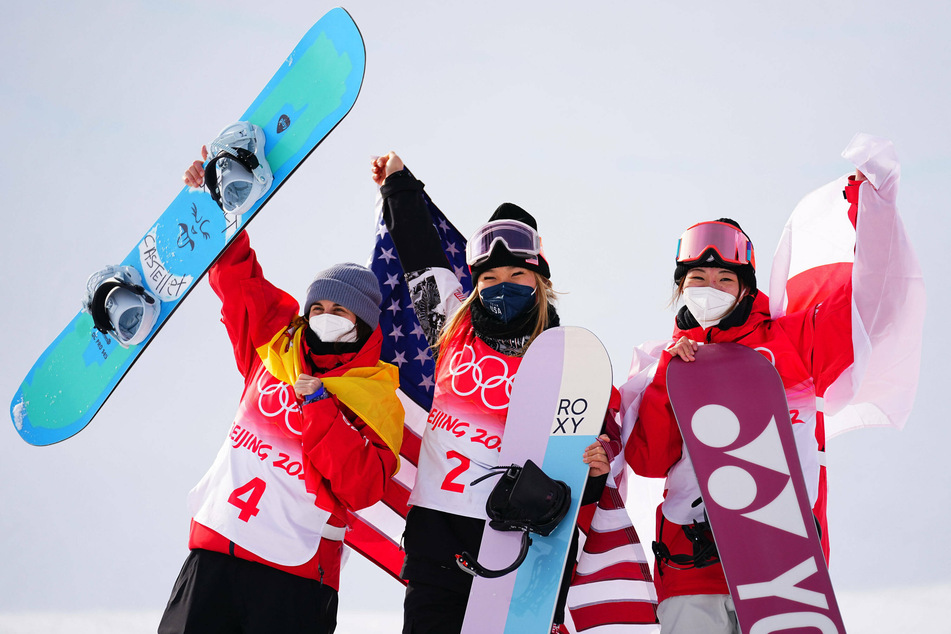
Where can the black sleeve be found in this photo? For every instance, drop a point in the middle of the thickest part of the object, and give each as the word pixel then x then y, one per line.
pixel 407 217
pixel 593 489
pixel 594 486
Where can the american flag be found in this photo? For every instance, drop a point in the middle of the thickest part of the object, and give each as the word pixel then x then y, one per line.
pixel 612 587
pixel 375 532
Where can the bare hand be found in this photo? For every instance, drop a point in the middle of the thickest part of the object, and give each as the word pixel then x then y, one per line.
pixel 383 166
pixel 684 348
pixel 306 385
pixel 195 175
pixel 597 458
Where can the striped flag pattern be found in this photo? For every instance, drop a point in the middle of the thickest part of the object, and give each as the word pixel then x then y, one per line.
pixel 612 590
pixel 375 532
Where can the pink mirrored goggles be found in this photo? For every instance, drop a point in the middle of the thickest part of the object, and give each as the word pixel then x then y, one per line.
pixel 730 243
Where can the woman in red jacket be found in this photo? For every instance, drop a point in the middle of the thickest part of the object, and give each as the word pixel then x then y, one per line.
pixel 825 350
pixel 317 433
pixel 715 278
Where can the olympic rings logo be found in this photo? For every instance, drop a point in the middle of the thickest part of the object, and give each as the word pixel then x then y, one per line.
pixel 488 375
pixel 285 401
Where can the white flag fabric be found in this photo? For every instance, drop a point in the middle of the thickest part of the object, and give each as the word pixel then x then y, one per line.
pixel 820 250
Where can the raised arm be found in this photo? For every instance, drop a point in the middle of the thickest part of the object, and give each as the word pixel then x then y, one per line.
pixel 866 336
pixel 252 309
pixel 434 288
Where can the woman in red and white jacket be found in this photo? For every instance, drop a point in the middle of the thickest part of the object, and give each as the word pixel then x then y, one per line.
pixel 811 349
pixel 317 433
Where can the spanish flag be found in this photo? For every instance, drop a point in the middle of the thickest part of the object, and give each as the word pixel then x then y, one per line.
pixel 367 390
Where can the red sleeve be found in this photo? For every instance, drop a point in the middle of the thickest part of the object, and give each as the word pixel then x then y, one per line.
pixel 852 195
pixel 611 428
pixel 350 458
pixel 655 444
pixel 252 309
pixel 823 336
pixel 823 333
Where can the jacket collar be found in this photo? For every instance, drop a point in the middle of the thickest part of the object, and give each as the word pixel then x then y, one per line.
pixel 338 364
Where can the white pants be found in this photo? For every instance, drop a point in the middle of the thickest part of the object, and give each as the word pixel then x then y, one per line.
pixel 707 613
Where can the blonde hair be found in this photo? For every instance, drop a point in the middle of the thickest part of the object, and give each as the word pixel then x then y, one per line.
pixel 542 300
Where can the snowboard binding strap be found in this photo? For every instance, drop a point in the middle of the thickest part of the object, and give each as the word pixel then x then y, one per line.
pixel 119 304
pixel 704 548
pixel 238 173
pixel 524 499
pixel 469 564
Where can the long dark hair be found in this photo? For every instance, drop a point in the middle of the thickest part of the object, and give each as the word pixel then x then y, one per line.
pixel 363 332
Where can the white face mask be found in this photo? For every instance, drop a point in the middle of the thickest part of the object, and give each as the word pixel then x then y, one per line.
pixel 707 304
pixel 332 328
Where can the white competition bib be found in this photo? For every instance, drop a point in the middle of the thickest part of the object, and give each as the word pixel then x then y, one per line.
pixel 463 436
pixel 254 493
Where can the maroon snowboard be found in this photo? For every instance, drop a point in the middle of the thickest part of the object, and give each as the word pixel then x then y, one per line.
pixel 731 408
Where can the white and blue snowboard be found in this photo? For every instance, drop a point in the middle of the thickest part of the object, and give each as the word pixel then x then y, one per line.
pixel 560 394
pixel 308 96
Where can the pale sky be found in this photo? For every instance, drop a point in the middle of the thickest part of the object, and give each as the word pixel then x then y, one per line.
pixel 617 127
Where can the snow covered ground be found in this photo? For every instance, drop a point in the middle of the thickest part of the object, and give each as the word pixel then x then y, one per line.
pixel 879 612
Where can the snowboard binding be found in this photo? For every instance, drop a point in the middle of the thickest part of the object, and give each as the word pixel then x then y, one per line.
pixel 700 536
pixel 120 306
pixel 524 499
pixel 238 174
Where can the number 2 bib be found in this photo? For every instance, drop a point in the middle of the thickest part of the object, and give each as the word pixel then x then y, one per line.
pixel 463 436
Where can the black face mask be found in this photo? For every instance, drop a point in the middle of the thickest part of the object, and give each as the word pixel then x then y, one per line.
pixel 507 301
pixel 508 338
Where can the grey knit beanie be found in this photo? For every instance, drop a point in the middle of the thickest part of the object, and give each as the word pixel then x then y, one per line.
pixel 352 286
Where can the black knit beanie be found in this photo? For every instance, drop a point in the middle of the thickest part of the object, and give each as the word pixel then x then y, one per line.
pixel 500 256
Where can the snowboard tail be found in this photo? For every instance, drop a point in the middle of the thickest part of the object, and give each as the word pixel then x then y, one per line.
pixel 731 407
pixel 308 96
pixel 559 398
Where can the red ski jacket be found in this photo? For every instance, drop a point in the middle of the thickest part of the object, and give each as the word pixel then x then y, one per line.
pixel 345 464
pixel 809 349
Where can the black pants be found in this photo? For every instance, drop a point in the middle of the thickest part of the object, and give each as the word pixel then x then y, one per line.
pixel 219 594
pixel 441 609
pixel 438 590
pixel 431 609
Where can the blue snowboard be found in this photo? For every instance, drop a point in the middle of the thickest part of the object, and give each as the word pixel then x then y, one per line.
pixel 560 394
pixel 310 94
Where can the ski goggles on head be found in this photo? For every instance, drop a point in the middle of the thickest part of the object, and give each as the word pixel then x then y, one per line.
pixel 730 243
pixel 517 237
